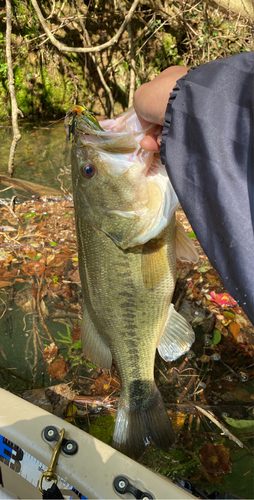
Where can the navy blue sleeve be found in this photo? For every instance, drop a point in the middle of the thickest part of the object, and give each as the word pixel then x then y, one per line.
pixel 207 148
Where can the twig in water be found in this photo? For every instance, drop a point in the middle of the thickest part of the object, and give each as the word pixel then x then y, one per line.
pixel 40 313
pixel 224 429
pixel 188 386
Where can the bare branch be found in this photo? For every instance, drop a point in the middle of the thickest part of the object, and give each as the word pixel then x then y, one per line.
pixel 65 48
pixel 132 66
pixel 132 53
pixel 14 107
pixel 224 429
pixel 102 79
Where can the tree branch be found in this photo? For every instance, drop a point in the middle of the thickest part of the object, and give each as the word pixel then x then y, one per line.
pixel 132 53
pixel 65 48
pixel 14 107
pixel 132 66
pixel 87 40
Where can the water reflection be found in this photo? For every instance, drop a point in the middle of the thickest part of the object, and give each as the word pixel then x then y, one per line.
pixel 41 153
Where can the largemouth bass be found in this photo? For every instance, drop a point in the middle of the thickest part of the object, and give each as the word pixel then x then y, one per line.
pixel 124 207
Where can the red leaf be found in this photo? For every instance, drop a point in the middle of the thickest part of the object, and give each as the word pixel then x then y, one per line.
pixel 223 299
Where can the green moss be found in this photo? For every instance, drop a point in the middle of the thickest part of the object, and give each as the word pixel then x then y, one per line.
pixel 171 49
pixel 168 41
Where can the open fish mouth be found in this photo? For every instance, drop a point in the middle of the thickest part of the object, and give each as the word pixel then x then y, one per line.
pixel 115 144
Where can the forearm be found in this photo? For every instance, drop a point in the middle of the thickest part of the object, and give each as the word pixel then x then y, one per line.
pixel 150 102
pixel 150 99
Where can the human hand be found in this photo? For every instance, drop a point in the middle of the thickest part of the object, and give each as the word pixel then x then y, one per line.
pixel 150 102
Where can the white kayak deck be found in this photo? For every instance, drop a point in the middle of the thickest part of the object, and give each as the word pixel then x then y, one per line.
pixel 91 471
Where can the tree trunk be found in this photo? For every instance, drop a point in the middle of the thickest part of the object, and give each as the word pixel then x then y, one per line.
pixel 243 7
pixel 14 108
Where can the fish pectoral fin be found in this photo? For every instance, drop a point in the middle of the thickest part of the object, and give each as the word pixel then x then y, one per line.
pixel 177 337
pixel 93 345
pixel 154 263
pixel 185 249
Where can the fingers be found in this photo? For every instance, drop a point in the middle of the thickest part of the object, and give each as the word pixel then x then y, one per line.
pixel 150 143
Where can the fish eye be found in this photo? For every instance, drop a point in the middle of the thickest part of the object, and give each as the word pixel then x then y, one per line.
pixel 88 170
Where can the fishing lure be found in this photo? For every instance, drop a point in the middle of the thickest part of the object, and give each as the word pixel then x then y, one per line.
pixel 89 119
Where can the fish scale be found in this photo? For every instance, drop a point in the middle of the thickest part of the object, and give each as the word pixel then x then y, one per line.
pixel 127 258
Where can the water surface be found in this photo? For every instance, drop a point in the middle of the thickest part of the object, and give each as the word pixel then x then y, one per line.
pixel 40 155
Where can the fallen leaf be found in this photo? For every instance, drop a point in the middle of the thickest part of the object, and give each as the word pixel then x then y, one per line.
pixel 204 358
pixel 76 334
pixel 234 329
pixel 204 269
pixel 229 314
pixel 31 254
pixel 196 276
pixel 64 391
pixel 239 424
pixel 177 419
pixel 215 458
pixel 58 369
pixel 50 352
pixel 25 300
pixel 74 276
pixel 223 299
pixel 44 309
pixel 33 268
pixel 216 337
pixel 223 331
pixel 7 275
pixel 5 256
pixel 213 280
pixel 5 283
pixel 67 251
pixel 71 412
pixel 241 393
pixel 105 384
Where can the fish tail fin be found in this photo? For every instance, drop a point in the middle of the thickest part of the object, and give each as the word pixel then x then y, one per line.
pixel 134 428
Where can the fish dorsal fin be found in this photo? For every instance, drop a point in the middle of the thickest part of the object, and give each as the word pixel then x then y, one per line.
pixel 177 337
pixel 185 249
pixel 92 344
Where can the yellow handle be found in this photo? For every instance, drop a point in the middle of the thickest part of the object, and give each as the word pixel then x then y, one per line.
pixel 50 474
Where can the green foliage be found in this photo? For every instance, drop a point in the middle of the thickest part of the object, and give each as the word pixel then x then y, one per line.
pixel 173 463
pixel 103 428
pixel 48 82
pixel 240 424
pixel 75 358
pixel 216 337
pixel 171 49
pixel 3 64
